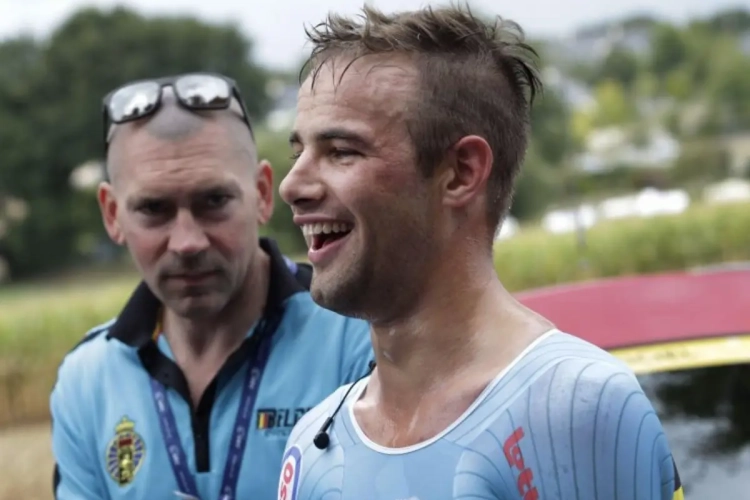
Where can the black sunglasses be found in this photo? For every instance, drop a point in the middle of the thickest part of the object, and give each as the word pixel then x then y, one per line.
pixel 194 91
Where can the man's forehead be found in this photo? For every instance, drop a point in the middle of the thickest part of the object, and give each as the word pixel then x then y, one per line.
pixel 372 77
pixel 371 88
pixel 138 155
pixel 138 143
pixel 176 179
pixel 174 171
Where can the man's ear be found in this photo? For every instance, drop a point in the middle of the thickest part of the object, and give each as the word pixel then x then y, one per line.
pixel 108 207
pixel 466 173
pixel 264 184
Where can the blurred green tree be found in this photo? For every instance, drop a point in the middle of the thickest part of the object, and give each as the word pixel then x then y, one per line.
pixel 551 146
pixel 728 87
pixel 700 163
pixel 613 107
pixel 550 127
pixel 669 49
pixel 621 66
pixel 274 147
pixel 732 20
pixel 537 184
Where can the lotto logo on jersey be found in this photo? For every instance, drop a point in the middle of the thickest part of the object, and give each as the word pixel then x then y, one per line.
pixel 290 471
pixel 512 451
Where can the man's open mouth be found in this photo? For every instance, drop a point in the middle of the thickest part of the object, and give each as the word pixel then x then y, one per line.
pixel 319 235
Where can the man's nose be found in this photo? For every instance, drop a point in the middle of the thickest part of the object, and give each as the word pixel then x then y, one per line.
pixel 302 184
pixel 188 236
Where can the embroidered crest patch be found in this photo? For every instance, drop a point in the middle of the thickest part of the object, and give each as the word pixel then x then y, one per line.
pixel 125 453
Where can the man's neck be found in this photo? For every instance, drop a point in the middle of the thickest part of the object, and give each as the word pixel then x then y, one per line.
pixel 464 329
pixel 201 347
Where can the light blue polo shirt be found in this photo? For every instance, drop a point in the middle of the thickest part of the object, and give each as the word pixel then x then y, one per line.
pixel 123 425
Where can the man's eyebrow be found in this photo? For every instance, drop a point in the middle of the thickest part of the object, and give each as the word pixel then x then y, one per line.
pixel 135 200
pixel 330 134
pixel 231 187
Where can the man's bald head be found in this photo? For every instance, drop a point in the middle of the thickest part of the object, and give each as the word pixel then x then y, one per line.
pixel 172 123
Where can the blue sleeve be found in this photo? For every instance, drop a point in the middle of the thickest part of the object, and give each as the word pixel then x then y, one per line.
pixel 596 436
pixel 357 352
pixel 75 474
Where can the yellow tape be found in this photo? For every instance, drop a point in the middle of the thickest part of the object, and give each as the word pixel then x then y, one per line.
pixel 669 356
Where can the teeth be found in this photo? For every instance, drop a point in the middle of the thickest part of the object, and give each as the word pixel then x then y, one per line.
pixel 326 228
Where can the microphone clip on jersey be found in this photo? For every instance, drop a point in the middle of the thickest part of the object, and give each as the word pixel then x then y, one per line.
pixel 322 439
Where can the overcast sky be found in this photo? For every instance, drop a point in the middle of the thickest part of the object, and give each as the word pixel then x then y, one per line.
pixel 276 27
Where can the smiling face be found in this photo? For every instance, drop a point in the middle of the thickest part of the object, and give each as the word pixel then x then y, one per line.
pixel 369 216
pixel 187 205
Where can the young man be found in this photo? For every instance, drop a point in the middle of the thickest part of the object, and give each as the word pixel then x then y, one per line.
pixel 220 349
pixel 410 132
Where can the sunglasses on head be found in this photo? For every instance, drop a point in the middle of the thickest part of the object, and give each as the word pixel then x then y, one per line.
pixel 193 91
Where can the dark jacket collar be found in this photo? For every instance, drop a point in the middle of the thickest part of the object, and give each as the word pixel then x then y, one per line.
pixel 135 324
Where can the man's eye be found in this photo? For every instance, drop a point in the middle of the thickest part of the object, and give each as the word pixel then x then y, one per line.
pixel 342 153
pixel 214 201
pixel 153 208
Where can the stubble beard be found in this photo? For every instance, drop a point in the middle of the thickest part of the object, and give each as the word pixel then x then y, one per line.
pixel 346 288
pixel 199 303
pixel 376 285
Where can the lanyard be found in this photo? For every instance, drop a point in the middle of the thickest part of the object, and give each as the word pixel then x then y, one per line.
pixel 291 265
pixel 177 457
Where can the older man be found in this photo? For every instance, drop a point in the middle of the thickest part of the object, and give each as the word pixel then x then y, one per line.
pixel 220 350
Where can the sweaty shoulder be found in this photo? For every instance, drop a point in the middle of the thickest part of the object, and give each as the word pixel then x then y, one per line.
pixel 570 420
pixel 575 372
pixel 565 359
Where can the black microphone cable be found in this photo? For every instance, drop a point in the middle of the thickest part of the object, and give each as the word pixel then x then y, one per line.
pixel 322 439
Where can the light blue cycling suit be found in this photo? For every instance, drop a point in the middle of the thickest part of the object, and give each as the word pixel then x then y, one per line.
pixel 565 421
